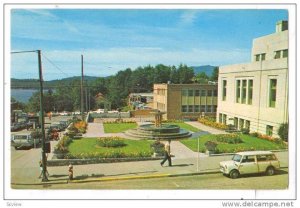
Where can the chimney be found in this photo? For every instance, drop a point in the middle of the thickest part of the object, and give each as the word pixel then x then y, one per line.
pixel 281 26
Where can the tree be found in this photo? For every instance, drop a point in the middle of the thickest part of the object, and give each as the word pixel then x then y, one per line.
pixel 215 74
pixel 283 131
pixel 201 78
pixel 16 105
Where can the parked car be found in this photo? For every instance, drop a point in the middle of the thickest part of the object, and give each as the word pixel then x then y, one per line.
pixel 24 140
pixel 250 162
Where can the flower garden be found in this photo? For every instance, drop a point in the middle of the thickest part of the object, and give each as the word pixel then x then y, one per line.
pixel 231 143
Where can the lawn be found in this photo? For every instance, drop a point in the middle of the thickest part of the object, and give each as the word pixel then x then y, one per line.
pixel 118 127
pixel 249 143
pixel 185 126
pixel 87 147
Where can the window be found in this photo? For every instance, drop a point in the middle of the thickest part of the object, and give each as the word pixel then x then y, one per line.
pixel 241 124
pixel 191 108
pixel 263 56
pixel 202 108
pixel 184 92
pixel 247 124
pixel 224 86
pixel 197 108
pixel 285 53
pixel 269 130
pixel 238 91
pixel 272 93
pixel 191 93
pixel 248 159
pixel 250 91
pixel 236 122
pixel 220 117
pixel 197 93
pixel 209 93
pixel 277 54
pixel 224 119
pixel 184 108
pixel 215 93
pixel 244 89
pixel 215 108
pixel 209 108
pixel 257 57
pixel 203 93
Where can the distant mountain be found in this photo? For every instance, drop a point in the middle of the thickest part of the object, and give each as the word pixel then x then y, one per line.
pixel 208 69
pixel 34 83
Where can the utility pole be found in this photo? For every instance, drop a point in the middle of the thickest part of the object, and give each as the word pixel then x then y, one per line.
pixel 82 103
pixel 44 159
pixel 86 97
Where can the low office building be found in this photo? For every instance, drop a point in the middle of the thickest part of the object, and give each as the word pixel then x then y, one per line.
pixel 255 95
pixel 185 101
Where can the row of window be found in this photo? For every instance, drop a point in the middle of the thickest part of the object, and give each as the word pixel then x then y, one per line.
pixel 244 91
pixel 277 55
pixel 198 108
pixel 202 93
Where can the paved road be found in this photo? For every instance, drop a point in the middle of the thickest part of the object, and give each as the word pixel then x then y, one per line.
pixel 207 181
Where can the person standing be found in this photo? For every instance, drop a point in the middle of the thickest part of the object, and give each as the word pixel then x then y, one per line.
pixel 167 154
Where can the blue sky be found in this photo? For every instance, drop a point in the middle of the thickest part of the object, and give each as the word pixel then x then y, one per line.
pixel 113 40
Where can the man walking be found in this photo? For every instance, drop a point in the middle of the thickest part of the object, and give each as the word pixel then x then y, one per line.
pixel 167 154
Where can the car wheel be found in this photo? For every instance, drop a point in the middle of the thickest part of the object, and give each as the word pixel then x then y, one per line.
pixel 234 174
pixel 270 171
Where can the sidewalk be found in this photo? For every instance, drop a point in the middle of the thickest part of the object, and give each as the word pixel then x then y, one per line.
pixel 205 128
pixel 133 170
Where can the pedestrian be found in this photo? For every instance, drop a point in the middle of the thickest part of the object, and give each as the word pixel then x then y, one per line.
pixel 167 154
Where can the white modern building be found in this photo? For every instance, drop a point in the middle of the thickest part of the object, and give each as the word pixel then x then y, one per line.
pixel 255 95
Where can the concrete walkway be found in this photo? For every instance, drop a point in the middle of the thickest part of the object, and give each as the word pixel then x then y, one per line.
pixel 94 130
pixel 205 128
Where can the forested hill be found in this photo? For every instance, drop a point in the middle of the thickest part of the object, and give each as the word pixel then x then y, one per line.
pixel 34 83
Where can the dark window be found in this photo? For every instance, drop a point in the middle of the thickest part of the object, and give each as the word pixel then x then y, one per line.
pixel 250 91
pixel 285 53
pixel 203 93
pixel 197 108
pixel 272 93
pixel 191 108
pixel 191 93
pixel 197 92
pixel 184 108
pixel 209 93
pixel 202 108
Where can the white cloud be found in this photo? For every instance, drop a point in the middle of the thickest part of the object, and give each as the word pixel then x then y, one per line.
pixel 188 16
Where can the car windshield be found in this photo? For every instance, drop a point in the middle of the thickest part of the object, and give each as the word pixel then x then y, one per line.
pixel 20 136
pixel 237 158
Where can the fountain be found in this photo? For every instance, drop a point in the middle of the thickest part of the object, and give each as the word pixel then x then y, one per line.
pixel 158 130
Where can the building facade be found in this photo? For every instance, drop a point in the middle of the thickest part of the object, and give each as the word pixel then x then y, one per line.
pixel 255 95
pixel 185 101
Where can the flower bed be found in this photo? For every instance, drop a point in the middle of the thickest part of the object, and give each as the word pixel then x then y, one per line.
pixel 209 122
pixel 228 138
pixel 111 142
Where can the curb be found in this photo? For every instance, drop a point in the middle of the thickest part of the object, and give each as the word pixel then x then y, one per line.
pixel 105 179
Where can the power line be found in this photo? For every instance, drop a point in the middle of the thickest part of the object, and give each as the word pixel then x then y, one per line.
pixel 14 52
pixel 55 65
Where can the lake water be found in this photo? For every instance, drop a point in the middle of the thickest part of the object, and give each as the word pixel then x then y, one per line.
pixel 23 95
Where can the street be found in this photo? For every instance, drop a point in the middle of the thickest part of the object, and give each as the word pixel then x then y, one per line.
pixel 206 181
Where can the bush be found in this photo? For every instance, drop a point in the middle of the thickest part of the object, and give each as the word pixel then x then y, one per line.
pixel 245 131
pixel 211 145
pixel 283 131
pixel 36 134
pixel 229 138
pixel 111 142
pixel 158 147
pixel 62 145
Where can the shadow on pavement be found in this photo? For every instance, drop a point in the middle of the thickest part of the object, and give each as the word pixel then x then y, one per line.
pixel 58 176
pixel 132 173
pixel 181 165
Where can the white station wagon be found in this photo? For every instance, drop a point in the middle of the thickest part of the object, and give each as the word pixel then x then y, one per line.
pixel 250 162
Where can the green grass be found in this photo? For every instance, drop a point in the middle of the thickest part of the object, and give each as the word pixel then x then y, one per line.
pixel 249 143
pixel 87 147
pixel 185 126
pixel 118 127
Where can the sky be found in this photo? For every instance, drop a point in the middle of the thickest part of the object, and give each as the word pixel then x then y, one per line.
pixel 115 39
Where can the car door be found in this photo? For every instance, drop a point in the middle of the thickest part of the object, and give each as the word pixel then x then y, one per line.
pixel 248 164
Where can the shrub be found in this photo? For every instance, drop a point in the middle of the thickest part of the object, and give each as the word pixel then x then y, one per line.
pixel 211 145
pixel 158 147
pixel 229 138
pixel 111 142
pixel 245 131
pixel 283 131
pixel 80 126
pixel 36 134
pixel 117 121
pixel 62 145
